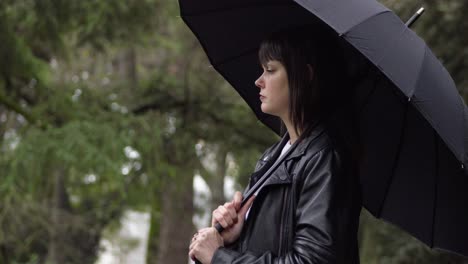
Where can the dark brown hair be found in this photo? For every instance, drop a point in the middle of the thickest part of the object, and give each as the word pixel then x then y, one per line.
pixel 311 97
pixel 325 97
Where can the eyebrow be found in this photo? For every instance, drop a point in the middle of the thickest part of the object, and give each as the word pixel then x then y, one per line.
pixel 269 63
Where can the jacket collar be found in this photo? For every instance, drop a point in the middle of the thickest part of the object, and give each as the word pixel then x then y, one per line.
pixel 302 146
pixel 298 150
pixel 281 175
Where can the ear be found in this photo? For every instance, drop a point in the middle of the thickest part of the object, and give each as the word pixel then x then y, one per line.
pixel 311 72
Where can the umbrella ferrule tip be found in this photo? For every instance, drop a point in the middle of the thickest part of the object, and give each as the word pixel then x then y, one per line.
pixel 421 10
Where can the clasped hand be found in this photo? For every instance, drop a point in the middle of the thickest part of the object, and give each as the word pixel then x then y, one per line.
pixel 231 217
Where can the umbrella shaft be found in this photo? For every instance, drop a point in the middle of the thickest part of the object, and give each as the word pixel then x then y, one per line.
pixel 415 17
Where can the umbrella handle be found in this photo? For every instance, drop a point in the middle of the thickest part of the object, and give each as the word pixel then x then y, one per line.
pixel 414 17
pixel 219 228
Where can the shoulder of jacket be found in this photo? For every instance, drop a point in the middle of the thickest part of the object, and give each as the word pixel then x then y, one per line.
pixel 322 143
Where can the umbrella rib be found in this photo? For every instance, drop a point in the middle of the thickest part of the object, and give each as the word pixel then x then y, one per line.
pixel 411 93
pixel 218 10
pixel 377 79
pixel 363 21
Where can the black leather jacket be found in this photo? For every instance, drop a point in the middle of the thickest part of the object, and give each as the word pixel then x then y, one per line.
pixel 307 211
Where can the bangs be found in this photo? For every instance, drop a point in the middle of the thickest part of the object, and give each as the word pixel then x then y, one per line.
pixel 270 50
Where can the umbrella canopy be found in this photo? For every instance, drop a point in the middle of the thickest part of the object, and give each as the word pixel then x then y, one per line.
pixel 413 123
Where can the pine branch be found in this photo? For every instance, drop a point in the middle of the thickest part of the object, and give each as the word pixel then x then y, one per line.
pixel 9 104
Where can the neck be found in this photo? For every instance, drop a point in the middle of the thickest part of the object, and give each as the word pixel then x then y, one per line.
pixel 293 136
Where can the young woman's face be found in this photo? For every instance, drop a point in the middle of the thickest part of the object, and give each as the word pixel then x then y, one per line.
pixel 274 89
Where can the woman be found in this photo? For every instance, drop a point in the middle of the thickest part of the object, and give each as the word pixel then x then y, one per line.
pixel 308 209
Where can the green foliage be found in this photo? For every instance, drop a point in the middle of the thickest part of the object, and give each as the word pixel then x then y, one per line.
pixel 71 128
pixel 18 60
pixel 91 155
pixel 114 21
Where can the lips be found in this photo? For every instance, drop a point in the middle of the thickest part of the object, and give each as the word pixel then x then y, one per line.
pixel 262 97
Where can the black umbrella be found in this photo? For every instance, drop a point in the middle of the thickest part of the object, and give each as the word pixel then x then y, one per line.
pixel 413 122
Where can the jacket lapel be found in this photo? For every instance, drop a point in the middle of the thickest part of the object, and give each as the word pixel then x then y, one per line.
pixel 268 160
pixel 281 174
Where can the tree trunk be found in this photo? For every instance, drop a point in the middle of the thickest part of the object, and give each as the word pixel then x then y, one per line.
pixel 60 205
pixel 176 225
pixel 153 246
pixel 127 66
pixel 4 252
pixel 216 183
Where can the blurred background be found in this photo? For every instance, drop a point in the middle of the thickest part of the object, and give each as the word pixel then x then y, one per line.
pixel 117 138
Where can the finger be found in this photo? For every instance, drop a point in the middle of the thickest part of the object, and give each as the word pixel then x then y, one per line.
pixel 237 200
pixel 194 238
pixel 192 254
pixel 215 216
pixel 213 219
pixel 222 212
pixel 220 219
pixel 203 230
pixel 246 207
pixel 202 237
pixel 227 215
pixel 196 244
pixel 192 244
pixel 230 208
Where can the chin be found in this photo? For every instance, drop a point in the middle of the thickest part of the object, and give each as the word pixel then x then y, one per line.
pixel 266 110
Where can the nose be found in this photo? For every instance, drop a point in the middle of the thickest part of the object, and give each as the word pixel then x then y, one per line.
pixel 259 82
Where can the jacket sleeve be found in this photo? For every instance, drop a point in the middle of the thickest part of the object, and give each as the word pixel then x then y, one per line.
pixel 318 216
